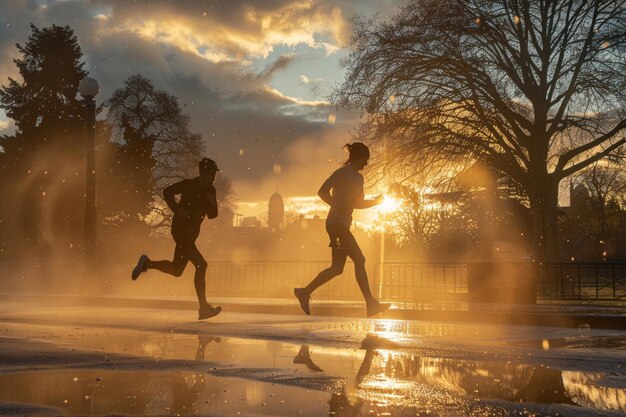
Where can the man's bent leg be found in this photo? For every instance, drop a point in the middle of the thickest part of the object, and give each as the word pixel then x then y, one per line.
pixel 177 265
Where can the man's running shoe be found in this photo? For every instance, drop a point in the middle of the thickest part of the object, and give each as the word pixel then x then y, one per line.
pixel 140 267
pixel 304 299
pixel 208 311
pixel 376 308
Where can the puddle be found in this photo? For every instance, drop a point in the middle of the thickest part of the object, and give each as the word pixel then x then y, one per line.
pixel 261 377
pixel 374 376
pixel 583 342
pixel 157 393
pixel 389 385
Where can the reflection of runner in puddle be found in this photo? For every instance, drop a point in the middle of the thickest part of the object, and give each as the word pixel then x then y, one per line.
pixel 545 386
pixel 304 357
pixel 203 341
pixel 345 405
pixel 433 380
pixel 186 388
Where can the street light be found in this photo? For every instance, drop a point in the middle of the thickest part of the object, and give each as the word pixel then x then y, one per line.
pixel 88 89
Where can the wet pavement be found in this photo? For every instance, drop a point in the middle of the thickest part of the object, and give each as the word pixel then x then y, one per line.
pixel 609 315
pixel 102 361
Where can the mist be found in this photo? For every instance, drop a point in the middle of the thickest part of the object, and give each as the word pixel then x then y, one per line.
pixel 47 220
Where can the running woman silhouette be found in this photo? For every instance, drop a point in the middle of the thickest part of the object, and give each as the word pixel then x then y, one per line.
pixel 343 192
pixel 197 199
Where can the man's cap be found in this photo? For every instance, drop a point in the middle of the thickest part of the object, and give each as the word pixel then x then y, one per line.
pixel 207 164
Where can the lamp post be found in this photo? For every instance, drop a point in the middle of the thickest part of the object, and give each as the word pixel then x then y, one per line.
pixel 88 88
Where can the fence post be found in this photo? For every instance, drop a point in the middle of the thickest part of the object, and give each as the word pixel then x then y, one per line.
pixel 580 293
pixel 378 280
pixel 597 284
pixel 613 279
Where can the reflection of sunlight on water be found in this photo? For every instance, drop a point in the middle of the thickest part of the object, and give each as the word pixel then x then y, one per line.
pixel 378 376
pixel 390 329
pixel 586 389
pixel 407 380
pixel 386 387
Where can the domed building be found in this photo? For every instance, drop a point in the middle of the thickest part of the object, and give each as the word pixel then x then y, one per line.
pixel 276 213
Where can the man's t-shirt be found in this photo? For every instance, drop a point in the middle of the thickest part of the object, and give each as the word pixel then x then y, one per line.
pixel 346 185
pixel 196 200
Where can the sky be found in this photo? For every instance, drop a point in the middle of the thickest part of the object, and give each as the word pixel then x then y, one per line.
pixel 254 76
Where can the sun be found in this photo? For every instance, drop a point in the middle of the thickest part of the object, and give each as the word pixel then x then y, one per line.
pixel 389 205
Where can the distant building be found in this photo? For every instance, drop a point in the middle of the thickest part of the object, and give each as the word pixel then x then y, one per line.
pixel 276 213
pixel 579 195
pixel 301 224
pixel 251 222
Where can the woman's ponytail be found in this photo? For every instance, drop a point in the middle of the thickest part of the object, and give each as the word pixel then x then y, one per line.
pixel 356 150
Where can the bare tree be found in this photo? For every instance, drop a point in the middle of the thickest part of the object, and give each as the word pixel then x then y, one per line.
pixel 607 187
pixel 140 110
pixel 534 89
pixel 151 121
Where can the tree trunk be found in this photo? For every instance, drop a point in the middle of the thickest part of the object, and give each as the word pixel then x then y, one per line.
pixel 543 205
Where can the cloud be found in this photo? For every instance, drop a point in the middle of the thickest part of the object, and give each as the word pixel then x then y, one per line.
pixel 221 60
pixel 315 84
pixel 304 79
pixel 305 161
pixel 280 64
pixel 4 123
pixel 236 32
pixel 231 30
pixel 299 102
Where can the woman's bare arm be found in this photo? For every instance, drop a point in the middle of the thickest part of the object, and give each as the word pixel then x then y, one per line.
pixel 362 203
pixel 324 192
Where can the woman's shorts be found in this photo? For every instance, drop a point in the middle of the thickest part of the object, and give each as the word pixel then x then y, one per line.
pixel 342 239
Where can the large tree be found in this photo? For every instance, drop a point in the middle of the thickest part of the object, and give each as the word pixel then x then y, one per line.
pixel 533 88
pixel 51 69
pixel 41 163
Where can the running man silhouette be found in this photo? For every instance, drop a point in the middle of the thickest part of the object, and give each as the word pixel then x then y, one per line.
pixel 343 192
pixel 197 199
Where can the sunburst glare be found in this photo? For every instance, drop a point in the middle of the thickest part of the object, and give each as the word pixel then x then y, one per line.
pixel 389 205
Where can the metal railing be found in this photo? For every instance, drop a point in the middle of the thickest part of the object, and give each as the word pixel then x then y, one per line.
pixel 421 281
pixel 582 281
pixel 391 281
pixel 398 281
pixel 275 279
